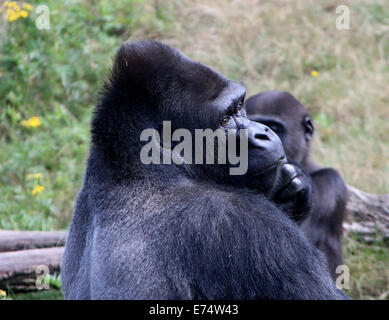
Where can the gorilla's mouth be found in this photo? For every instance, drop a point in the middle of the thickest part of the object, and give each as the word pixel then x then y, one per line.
pixel 279 162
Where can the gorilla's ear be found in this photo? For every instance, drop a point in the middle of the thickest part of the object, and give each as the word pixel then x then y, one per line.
pixel 308 128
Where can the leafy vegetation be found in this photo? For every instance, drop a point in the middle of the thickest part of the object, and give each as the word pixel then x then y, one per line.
pixel 49 82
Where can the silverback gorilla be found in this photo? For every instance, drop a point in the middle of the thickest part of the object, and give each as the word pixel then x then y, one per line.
pixel 189 231
pixel 291 121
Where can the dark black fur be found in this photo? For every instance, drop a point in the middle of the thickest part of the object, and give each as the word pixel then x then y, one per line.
pixel 293 124
pixel 172 232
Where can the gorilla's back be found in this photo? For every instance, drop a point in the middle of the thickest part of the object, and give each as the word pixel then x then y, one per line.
pixel 75 271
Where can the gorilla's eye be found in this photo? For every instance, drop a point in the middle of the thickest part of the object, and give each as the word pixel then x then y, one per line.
pixel 240 106
pixel 225 120
pixel 274 128
pixel 274 124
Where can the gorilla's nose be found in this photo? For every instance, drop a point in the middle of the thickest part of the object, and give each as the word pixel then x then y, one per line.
pixel 263 138
pixel 260 134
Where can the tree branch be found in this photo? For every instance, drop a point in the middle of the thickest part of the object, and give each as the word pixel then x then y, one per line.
pixel 21 240
pixel 367 215
pixel 18 269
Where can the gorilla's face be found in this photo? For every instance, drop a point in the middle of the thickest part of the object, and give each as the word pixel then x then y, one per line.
pixel 282 113
pixel 265 153
pixel 157 84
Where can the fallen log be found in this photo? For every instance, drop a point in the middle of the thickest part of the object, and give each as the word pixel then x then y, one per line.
pixel 19 270
pixel 21 240
pixel 367 215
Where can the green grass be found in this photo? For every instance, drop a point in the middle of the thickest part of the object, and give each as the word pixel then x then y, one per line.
pixel 56 75
pixel 52 294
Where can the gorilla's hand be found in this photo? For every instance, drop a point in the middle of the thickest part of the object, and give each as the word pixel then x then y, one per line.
pixel 294 192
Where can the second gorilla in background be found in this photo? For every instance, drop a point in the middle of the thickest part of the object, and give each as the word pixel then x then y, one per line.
pixel 286 116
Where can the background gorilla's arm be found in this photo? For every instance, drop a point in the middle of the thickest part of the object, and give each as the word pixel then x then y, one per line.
pixel 330 198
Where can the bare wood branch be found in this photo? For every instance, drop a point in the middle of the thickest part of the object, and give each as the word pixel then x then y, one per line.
pixel 21 240
pixel 367 215
pixel 18 268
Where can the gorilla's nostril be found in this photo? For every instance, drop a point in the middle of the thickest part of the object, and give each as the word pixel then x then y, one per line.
pixel 261 136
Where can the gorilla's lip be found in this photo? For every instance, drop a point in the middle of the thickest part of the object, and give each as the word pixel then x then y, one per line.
pixel 279 162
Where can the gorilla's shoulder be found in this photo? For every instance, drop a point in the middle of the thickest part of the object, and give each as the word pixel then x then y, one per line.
pixel 218 201
pixel 330 178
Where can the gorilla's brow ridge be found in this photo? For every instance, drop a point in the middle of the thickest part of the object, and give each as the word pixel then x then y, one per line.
pixel 230 97
pixel 234 103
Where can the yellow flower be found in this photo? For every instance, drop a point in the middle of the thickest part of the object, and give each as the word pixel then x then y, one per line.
pixel 14 12
pixel 13 4
pixel 34 122
pixel 314 74
pixel 10 12
pixel 34 176
pixel 3 294
pixel 37 190
pixel 24 14
pixel 27 6
pixel 12 15
pixel 31 123
pixel 11 18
